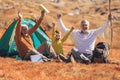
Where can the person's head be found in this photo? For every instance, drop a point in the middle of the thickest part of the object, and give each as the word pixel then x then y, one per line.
pixel 58 35
pixel 24 30
pixel 84 25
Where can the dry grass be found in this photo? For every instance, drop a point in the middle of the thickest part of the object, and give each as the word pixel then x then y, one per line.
pixel 11 69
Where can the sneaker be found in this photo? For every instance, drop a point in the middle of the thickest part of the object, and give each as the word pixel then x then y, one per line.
pixel 64 59
pixel 68 55
pixel 56 59
pixel 54 56
pixel 46 60
pixel 85 59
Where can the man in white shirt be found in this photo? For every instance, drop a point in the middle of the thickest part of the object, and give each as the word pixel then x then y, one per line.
pixel 84 39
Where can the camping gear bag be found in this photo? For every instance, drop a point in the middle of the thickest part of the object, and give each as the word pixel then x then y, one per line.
pixel 101 53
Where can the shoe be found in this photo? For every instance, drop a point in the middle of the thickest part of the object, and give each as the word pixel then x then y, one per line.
pixel 68 55
pixel 85 59
pixel 56 59
pixel 54 56
pixel 46 60
pixel 62 57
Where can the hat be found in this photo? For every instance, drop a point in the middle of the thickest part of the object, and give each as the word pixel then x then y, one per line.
pixel 24 25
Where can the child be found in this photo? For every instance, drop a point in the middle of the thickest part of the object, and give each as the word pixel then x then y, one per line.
pixel 57 41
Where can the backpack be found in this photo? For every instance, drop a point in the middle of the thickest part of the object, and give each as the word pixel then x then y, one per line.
pixel 101 53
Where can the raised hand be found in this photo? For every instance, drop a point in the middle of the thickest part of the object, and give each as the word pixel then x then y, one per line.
pixel 59 16
pixel 20 16
pixel 110 17
pixel 53 24
pixel 73 27
pixel 42 12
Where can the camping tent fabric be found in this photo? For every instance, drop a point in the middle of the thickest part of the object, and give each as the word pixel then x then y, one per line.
pixel 7 43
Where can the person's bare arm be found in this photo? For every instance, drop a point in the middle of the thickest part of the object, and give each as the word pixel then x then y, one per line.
pixel 18 26
pixel 30 31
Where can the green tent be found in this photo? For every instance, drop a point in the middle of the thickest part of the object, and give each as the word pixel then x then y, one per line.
pixel 7 43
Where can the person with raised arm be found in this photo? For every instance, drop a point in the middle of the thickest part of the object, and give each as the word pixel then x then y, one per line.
pixel 57 40
pixel 24 42
pixel 83 39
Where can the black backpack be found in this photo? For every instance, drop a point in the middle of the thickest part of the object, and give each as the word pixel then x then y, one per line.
pixel 101 53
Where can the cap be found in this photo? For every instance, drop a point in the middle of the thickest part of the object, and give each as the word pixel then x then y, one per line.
pixel 24 25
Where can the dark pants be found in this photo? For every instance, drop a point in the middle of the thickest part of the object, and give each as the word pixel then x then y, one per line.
pixel 81 57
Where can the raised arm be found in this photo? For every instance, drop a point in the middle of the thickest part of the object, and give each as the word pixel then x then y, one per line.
pixel 53 31
pixel 64 29
pixel 18 26
pixel 37 24
pixel 67 34
pixel 106 24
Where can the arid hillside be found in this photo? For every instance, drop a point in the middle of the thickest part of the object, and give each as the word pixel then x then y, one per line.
pixel 73 11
